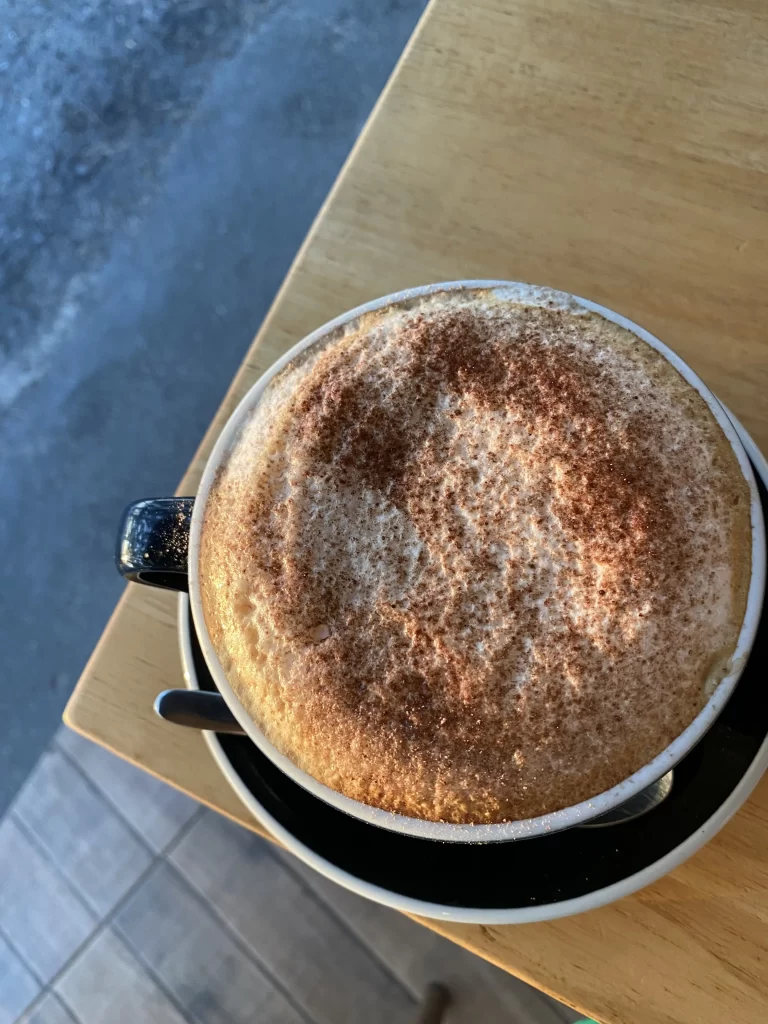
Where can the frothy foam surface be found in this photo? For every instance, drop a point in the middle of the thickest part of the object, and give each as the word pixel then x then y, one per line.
pixel 476 560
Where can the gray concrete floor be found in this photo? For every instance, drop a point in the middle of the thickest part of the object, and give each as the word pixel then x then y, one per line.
pixel 160 163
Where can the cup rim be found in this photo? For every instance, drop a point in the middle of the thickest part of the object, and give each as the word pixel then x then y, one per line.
pixel 567 816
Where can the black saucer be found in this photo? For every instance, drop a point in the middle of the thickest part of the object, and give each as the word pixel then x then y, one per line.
pixel 530 873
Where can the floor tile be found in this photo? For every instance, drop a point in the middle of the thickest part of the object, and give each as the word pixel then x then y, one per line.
pixel 416 955
pixel 39 913
pixel 107 985
pixel 18 986
pixel 206 970
pixel 332 977
pixel 50 1010
pixel 86 840
pixel 157 811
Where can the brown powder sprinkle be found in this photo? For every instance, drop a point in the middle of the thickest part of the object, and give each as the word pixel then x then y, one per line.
pixel 476 560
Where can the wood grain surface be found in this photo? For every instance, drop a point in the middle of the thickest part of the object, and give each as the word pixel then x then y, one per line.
pixel 617 149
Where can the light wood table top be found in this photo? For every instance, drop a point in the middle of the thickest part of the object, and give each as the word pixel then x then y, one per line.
pixel 617 149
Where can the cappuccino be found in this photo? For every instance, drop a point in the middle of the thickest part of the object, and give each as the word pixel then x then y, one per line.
pixel 476 560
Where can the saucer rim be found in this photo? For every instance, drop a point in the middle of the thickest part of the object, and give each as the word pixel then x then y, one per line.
pixel 485 915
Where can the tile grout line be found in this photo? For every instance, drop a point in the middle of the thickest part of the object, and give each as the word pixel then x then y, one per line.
pixel 106 922
pixel 174 841
pixel 34 1006
pixel 109 918
pixel 158 982
pixel 34 841
pixel 342 922
pixel 98 791
pixel 20 956
pixel 233 935
pixel 416 995
pixel 250 955
pixel 68 1009
pixel 156 977
pixel 239 941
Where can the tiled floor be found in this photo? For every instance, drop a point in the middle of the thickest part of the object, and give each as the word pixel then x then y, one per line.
pixel 124 902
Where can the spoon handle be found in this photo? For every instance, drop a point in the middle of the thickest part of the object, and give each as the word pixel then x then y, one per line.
pixel 197 709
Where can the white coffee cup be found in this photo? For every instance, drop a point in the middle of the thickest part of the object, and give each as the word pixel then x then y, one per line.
pixel 152 545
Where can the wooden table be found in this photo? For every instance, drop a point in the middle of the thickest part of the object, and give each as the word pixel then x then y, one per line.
pixel 617 149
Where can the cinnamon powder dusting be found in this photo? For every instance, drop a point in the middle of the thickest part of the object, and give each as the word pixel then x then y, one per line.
pixel 477 561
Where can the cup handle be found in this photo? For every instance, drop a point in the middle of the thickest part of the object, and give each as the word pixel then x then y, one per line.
pixel 153 541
